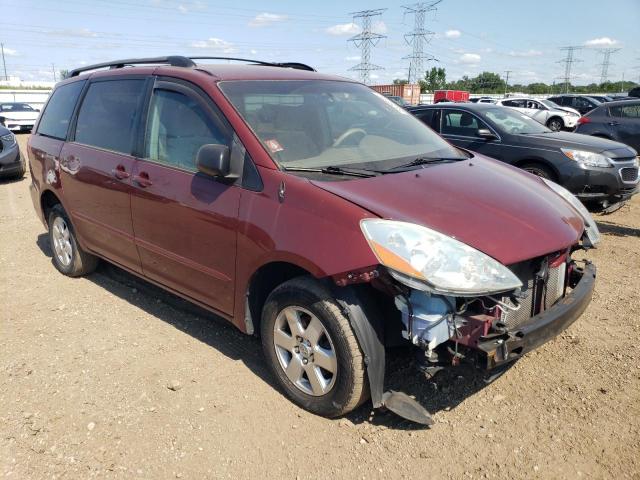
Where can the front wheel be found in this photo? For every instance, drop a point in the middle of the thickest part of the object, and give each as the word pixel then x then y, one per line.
pixel 555 124
pixel 312 350
pixel 539 170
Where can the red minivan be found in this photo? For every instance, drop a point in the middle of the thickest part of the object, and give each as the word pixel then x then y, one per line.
pixel 311 211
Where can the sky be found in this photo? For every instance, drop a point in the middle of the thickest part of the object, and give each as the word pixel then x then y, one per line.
pixel 469 36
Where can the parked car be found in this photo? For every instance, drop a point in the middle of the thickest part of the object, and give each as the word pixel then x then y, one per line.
pixel 634 92
pixel 581 103
pixel 555 119
pixel 599 172
pixel 618 121
pixel 18 116
pixel 292 203
pixel 602 98
pixel 11 162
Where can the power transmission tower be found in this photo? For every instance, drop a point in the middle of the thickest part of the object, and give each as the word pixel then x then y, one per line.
pixel 506 82
pixel 53 69
pixel 418 38
pixel 568 61
pixel 364 41
pixel 606 52
pixel 4 65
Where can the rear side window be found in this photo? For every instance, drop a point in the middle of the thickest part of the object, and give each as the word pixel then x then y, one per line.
pixel 461 123
pixel 177 127
pixel 108 113
pixel 626 111
pixel 57 115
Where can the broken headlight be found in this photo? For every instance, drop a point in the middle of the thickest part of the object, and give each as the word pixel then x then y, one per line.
pixel 593 234
pixel 428 260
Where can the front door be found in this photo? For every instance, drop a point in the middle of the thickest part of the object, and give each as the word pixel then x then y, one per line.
pixel 96 167
pixel 461 128
pixel 625 121
pixel 185 222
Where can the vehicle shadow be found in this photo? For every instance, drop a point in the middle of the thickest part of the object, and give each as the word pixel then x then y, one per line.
pixel 608 228
pixel 443 392
pixel 8 180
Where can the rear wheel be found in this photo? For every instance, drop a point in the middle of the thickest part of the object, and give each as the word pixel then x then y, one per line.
pixel 556 124
pixel 68 257
pixel 539 170
pixel 311 348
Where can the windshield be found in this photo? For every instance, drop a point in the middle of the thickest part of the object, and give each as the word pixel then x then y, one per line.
pixel 16 107
pixel 514 122
pixel 320 123
pixel 549 104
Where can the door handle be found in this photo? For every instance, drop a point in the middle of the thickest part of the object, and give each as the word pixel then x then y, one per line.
pixel 613 124
pixel 142 179
pixel 120 173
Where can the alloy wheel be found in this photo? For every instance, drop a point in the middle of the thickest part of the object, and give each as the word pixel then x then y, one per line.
pixel 61 241
pixel 305 351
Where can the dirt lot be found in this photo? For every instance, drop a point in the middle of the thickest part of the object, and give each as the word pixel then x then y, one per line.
pixel 85 366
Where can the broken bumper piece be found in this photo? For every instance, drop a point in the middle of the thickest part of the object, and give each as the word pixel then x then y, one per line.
pixel 510 346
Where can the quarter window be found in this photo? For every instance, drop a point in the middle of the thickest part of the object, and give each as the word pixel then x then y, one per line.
pixel 57 114
pixel 177 127
pixel 107 115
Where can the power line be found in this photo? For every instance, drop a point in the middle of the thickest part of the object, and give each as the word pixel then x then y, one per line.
pixel 418 38
pixel 606 52
pixel 364 41
pixel 568 61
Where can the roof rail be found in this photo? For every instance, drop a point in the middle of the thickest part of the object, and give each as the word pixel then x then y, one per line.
pixel 296 65
pixel 180 61
pixel 174 61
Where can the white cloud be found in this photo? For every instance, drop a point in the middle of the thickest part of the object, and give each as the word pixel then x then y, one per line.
pixel 379 27
pixel 182 8
pixel 253 51
pixel 216 44
pixel 374 76
pixel 353 58
pixel 265 19
pixel 525 53
pixel 343 29
pixel 76 32
pixel 10 52
pixel 452 34
pixel 601 42
pixel 470 58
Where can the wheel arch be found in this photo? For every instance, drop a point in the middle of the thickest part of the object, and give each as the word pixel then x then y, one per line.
pixel 554 117
pixel 545 163
pixel 48 199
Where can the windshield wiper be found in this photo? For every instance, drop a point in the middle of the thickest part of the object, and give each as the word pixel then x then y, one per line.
pixel 333 170
pixel 423 161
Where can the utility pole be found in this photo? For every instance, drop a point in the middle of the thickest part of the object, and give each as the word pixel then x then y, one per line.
pixel 53 69
pixel 606 62
pixel 364 41
pixel 568 61
pixel 4 65
pixel 506 82
pixel 418 38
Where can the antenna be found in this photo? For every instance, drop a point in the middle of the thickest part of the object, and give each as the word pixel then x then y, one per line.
pixel 364 41
pixel 418 38
pixel 569 60
pixel 606 52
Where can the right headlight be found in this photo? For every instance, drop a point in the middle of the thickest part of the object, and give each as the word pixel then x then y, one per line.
pixel 428 260
pixel 587 159
pixel 590 225
pixel 9 139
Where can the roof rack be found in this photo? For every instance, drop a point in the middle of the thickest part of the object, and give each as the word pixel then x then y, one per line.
pixel 180 61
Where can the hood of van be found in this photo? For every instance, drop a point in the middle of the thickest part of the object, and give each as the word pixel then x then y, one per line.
pixel 502 211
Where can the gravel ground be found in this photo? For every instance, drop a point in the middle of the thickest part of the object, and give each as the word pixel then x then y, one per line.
pixel 107 376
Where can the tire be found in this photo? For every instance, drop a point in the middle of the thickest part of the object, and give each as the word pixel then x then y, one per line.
pixel 555 123
pixel 20 173
pixel 539 170
pixel 68 257
pixel 306 304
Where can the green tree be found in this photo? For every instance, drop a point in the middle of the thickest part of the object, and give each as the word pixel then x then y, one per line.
pixel 434 79
pixel 400 81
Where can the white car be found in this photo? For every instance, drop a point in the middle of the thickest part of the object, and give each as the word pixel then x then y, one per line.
pixel 544 111
pixel 18 116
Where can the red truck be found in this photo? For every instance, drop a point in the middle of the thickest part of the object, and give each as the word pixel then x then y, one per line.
pixel 450 96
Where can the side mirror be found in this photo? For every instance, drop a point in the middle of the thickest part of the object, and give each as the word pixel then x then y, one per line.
pixel 214 160
pixel 486 134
